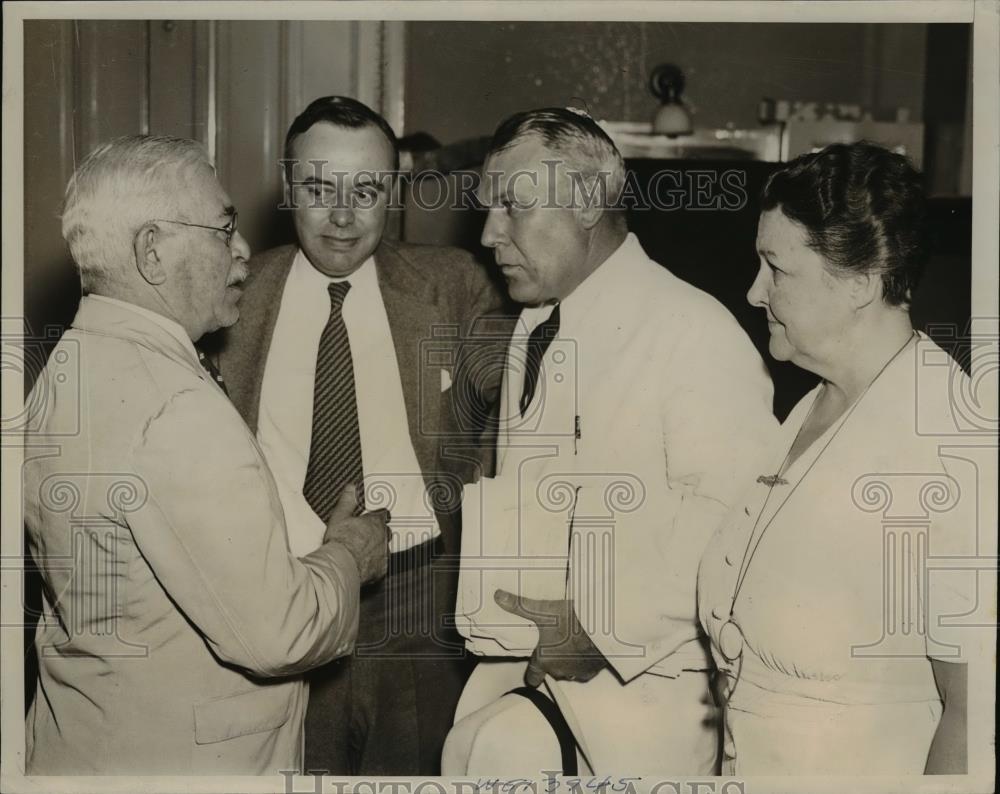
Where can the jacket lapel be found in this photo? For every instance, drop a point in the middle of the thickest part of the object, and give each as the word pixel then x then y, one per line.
pixel 412 307
pixel 244 353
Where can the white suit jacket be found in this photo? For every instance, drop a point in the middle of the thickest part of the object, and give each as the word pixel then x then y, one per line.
pixel 170 594
pixel 651 410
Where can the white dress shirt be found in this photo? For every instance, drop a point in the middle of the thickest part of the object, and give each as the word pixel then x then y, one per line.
pixel 392 474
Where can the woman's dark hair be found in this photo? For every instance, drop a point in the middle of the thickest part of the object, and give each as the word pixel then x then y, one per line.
pixel 863 210
pixel 341 111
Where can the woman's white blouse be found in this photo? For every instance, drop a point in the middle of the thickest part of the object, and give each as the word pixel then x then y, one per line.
pixel 849 590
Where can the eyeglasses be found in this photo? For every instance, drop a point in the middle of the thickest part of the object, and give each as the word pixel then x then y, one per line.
pixel 229 229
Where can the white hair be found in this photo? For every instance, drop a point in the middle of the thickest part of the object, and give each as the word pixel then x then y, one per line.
pixel 116 189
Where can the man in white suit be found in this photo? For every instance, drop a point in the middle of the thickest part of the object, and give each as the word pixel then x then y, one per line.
pixel 669 405
pixel 170 593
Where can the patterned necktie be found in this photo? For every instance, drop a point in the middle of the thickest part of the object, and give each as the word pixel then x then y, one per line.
pixel 211 369
pixel 538 343
pixel 335 449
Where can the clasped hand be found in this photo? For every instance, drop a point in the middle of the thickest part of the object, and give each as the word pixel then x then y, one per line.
pixel 564 649
pixel 365 536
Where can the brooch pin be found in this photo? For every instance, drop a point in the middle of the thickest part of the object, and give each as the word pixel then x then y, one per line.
pixel 770 480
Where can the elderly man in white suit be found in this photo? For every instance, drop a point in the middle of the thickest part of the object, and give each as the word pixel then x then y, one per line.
pixel 667 397
pixel 176 621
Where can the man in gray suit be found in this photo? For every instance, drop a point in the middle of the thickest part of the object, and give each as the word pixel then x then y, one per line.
pixel 343 366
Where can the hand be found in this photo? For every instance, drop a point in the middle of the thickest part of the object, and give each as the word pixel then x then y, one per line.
pixel 564 650
pixel 366 536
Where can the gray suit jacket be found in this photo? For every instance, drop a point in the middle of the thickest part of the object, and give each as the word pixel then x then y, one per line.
pixel 433 297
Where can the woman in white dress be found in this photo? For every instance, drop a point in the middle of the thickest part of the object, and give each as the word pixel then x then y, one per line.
pixel 814 592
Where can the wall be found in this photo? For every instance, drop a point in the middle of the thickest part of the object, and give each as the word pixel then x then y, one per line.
pixel 236 86
pixel 948 109
pixel 464 77
pixel 233 85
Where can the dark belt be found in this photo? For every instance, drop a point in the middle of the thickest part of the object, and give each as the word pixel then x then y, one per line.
pixel 416 556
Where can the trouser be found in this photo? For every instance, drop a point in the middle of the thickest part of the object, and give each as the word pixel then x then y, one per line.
pixel 386 708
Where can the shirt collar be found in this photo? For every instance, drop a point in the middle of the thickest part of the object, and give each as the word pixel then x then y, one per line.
pixel 304 271
pixel 170 326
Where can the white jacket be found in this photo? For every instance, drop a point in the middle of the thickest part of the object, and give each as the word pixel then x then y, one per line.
pixel 170 592
pixel 673 404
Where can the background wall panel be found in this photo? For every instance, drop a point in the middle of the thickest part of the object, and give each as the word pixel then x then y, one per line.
pixel 233 85
pixel 112 68
pixel 50 156
pixel 463 77
pixel 249 123
pixel 176 67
